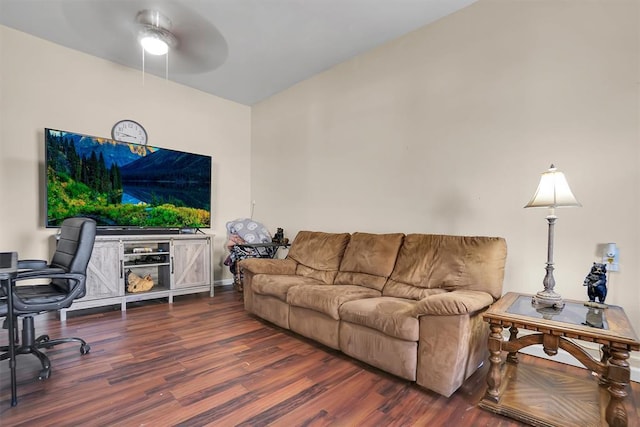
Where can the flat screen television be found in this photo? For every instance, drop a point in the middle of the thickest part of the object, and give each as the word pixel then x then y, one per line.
pixel 125 186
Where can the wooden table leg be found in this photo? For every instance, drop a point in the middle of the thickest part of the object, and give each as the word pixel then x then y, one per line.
pixel 618 376
pixel 494 376
pixel 512 357
pixel 606 355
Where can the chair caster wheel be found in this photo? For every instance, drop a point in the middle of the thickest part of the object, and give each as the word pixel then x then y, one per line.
pixel 44 374
pixel 85 348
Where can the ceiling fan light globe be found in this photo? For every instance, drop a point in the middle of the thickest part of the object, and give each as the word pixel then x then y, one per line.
pixel 154 45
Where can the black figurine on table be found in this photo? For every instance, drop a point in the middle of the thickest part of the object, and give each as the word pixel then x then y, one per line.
pixel 596 282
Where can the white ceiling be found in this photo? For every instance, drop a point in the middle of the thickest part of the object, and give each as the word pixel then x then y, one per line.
pixel 242 50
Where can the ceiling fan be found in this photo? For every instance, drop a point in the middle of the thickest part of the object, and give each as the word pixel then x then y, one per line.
pixel 118 29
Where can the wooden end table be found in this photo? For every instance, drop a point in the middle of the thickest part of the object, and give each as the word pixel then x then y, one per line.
pixel 539 396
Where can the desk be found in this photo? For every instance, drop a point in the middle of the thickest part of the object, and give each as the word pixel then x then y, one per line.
pixel 8 271
pixel 527 401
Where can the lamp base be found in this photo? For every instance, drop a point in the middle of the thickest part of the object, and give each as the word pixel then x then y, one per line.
pixel 547 298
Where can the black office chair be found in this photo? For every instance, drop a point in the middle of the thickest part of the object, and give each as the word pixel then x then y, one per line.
pixel 66 274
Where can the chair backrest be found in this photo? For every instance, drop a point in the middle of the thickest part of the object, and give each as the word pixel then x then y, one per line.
pixel 74 248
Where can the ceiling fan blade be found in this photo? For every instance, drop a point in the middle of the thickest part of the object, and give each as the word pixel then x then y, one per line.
pixel 200 47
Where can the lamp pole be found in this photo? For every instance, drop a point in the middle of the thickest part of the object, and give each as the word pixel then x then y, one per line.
pixel 548 297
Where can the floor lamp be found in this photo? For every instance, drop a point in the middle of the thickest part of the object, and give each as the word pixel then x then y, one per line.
pixel 553 192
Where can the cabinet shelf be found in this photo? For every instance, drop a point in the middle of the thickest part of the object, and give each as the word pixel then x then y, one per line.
pixel 143 254
pixel 143 265
pixel 154 290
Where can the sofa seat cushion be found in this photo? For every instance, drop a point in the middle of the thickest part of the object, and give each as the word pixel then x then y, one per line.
pixel 327 299
pixel 391 316
pixel 278 285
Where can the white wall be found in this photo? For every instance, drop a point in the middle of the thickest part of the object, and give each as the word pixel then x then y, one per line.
pixel 447 130
pixel 46 85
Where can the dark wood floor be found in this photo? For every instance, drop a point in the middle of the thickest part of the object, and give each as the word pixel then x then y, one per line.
pixel 205 361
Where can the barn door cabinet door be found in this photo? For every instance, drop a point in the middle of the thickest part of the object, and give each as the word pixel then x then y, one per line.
pixel 191 263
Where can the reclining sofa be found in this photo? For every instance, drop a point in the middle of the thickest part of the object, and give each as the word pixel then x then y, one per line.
pixel 410 305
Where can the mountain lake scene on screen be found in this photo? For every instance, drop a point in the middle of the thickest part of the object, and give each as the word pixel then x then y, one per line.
pixel 125 185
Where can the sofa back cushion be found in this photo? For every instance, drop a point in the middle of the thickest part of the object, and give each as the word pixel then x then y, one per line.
pixel 429 263
pixel 369 259
pixel 318 254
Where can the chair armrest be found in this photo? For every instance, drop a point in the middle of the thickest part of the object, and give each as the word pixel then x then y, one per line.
pixel 50 273
pixel 268 266
pixel 42 273
pixel 78 278
pixel 30 299
pixel 32 264
pixel 452 303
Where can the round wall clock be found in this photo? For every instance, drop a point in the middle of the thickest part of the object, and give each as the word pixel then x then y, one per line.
pixel 129 131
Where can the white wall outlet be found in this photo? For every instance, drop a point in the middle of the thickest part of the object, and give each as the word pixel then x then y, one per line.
pixel 611 257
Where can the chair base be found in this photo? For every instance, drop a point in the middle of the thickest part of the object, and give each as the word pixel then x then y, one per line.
pixel 33 346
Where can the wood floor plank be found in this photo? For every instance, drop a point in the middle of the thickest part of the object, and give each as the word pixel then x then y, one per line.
pixel 205 361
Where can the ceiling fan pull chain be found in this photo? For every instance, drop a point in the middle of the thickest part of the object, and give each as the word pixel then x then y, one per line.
pixel 143 67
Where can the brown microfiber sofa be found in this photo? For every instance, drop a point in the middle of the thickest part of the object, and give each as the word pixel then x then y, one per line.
pixel 410 305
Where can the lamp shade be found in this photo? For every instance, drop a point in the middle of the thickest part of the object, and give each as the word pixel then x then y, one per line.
pixel 553 191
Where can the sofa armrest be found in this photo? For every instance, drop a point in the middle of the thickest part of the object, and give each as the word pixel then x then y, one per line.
pixel 453 303
pixel 268 266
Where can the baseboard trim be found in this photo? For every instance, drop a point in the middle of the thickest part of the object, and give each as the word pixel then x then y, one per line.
pixel 223 282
